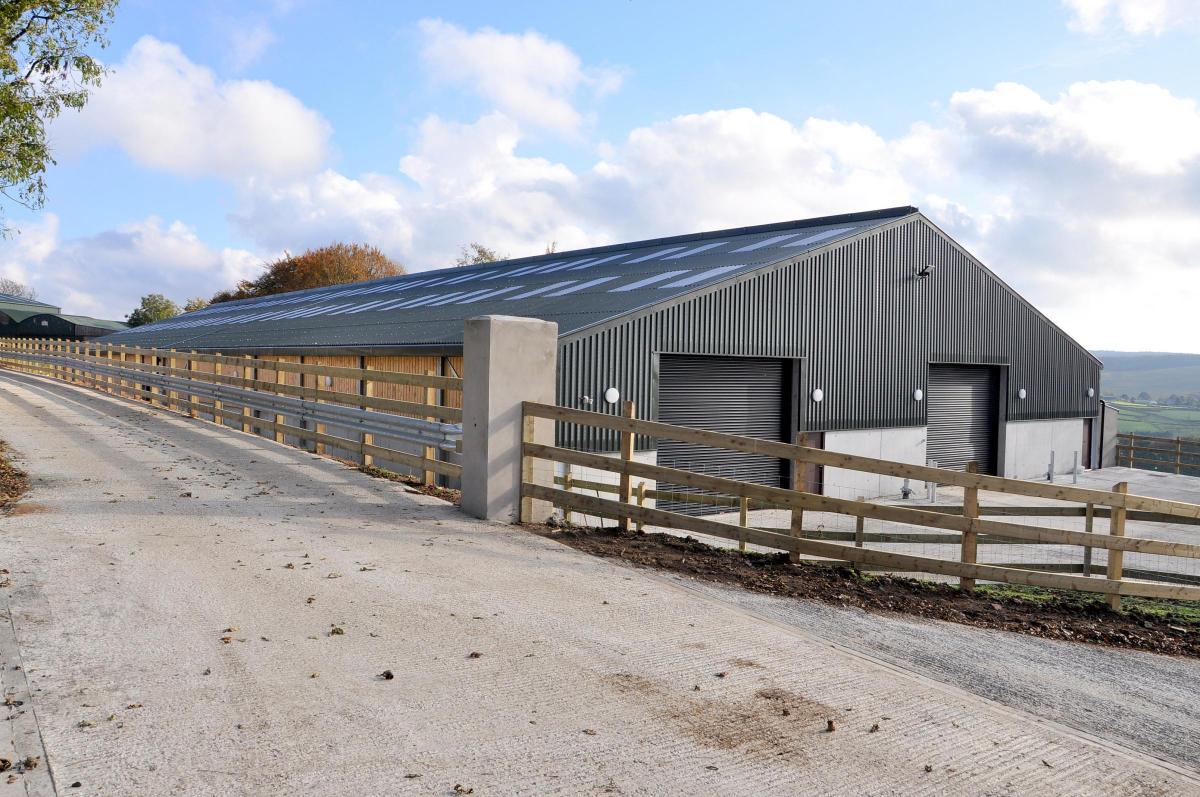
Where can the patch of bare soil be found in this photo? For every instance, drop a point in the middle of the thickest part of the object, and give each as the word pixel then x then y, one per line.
pixel 771 722
pixel 1171 628
pixel 13 481
pixel 413 483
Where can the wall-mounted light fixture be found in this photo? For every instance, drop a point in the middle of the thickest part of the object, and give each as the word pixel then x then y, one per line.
pixel 921 272
pixel 1021 394
pixel 612 395
pixel 918 394
pixel 818 395
pixel 1091 392
pixel 585 401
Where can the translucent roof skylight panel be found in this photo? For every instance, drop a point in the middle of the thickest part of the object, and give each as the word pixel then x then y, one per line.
pixel 608 259
pixel 516 272
pixel 821 236
pixel 562 265
pixel 450 299
pixel 488 295
pixel 285 314
pixel 633 286
pixel 417 302
pixel 425 300
pixel 358 308
pixel 696 250
pixel 772 241
pixel 540 290
pixel 653 255
pixel 464 278
pixel 583 286
pixel 319 311
pixel 701 276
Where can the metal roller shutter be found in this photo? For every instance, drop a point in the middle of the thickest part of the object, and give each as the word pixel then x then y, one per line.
pixel 736 395
pixel 963 406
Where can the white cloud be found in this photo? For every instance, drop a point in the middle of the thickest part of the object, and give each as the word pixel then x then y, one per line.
pixel 1084 201
pixel 171 114
pixel 104 275
pixel 1138 17
pixel 247 43
pixel 1138 128
pixel 527 76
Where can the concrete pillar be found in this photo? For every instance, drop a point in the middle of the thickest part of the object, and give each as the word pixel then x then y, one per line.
pixel 507 360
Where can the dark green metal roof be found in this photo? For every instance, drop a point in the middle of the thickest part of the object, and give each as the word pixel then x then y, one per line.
pixel 576 290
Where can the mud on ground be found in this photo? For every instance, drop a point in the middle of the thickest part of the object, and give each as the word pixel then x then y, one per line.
pixel 13 481
pixel 1167 627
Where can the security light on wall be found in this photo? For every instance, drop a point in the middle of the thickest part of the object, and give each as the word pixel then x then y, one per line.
pixel 818 395
pixel 918 394
pixel 1021 394
pixel 585 401
pixel 612 395
pixel 1091 392
pixel 924 271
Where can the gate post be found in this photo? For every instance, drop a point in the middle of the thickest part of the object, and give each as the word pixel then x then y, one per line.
pixel 506 361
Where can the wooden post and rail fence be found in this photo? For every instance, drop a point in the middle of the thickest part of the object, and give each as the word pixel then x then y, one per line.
pixel 191 383
pixel 967 527
pixel 1179 455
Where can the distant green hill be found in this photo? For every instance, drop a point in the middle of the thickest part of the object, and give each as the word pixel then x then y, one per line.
pixel 1160 374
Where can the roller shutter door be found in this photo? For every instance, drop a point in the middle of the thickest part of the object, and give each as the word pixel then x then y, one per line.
pixel 735 395
pixel 963 406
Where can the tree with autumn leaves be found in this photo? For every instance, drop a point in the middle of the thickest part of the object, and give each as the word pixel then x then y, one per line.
pixel 336 264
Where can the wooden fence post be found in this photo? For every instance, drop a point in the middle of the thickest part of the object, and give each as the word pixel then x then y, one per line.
pixel 1116 559
pixel 247 426
pixel 860 526
pixel 743 520
pixel 217 417
pixel 970 539
pixel 1089 522
pixel 527 436
pixel 797 528
pixel 568 484
pixel 430 451
pixel 280 379
pixel 628 410
pixel 368 391
pixel 641 501
pixel 1178 455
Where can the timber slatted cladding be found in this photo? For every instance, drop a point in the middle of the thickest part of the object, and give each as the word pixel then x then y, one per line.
pixel 735 395
pixel 963 404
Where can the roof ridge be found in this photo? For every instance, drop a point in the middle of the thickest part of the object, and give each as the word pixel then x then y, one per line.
pixel 816 221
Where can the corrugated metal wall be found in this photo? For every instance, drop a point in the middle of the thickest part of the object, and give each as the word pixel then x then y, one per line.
pixel 866 329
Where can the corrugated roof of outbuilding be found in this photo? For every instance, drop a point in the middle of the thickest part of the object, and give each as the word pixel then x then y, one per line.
pixel 576 290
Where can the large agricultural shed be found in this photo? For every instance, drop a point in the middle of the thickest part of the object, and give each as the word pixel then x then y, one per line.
pixel 871 333
pixel 26 318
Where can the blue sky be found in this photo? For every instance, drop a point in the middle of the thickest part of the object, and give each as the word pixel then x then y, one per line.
pixel 1060 142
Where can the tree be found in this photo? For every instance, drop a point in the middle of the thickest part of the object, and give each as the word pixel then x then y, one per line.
pixel 44 68
pixel 154 307
pixel 336 264
pixel 195 303
pixel 475 253
pixel 1143 396
pixel 18 289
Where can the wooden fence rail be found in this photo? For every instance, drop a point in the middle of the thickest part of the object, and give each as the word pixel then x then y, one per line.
pixel 967 526
pixel 179 381
pixel 1179 455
